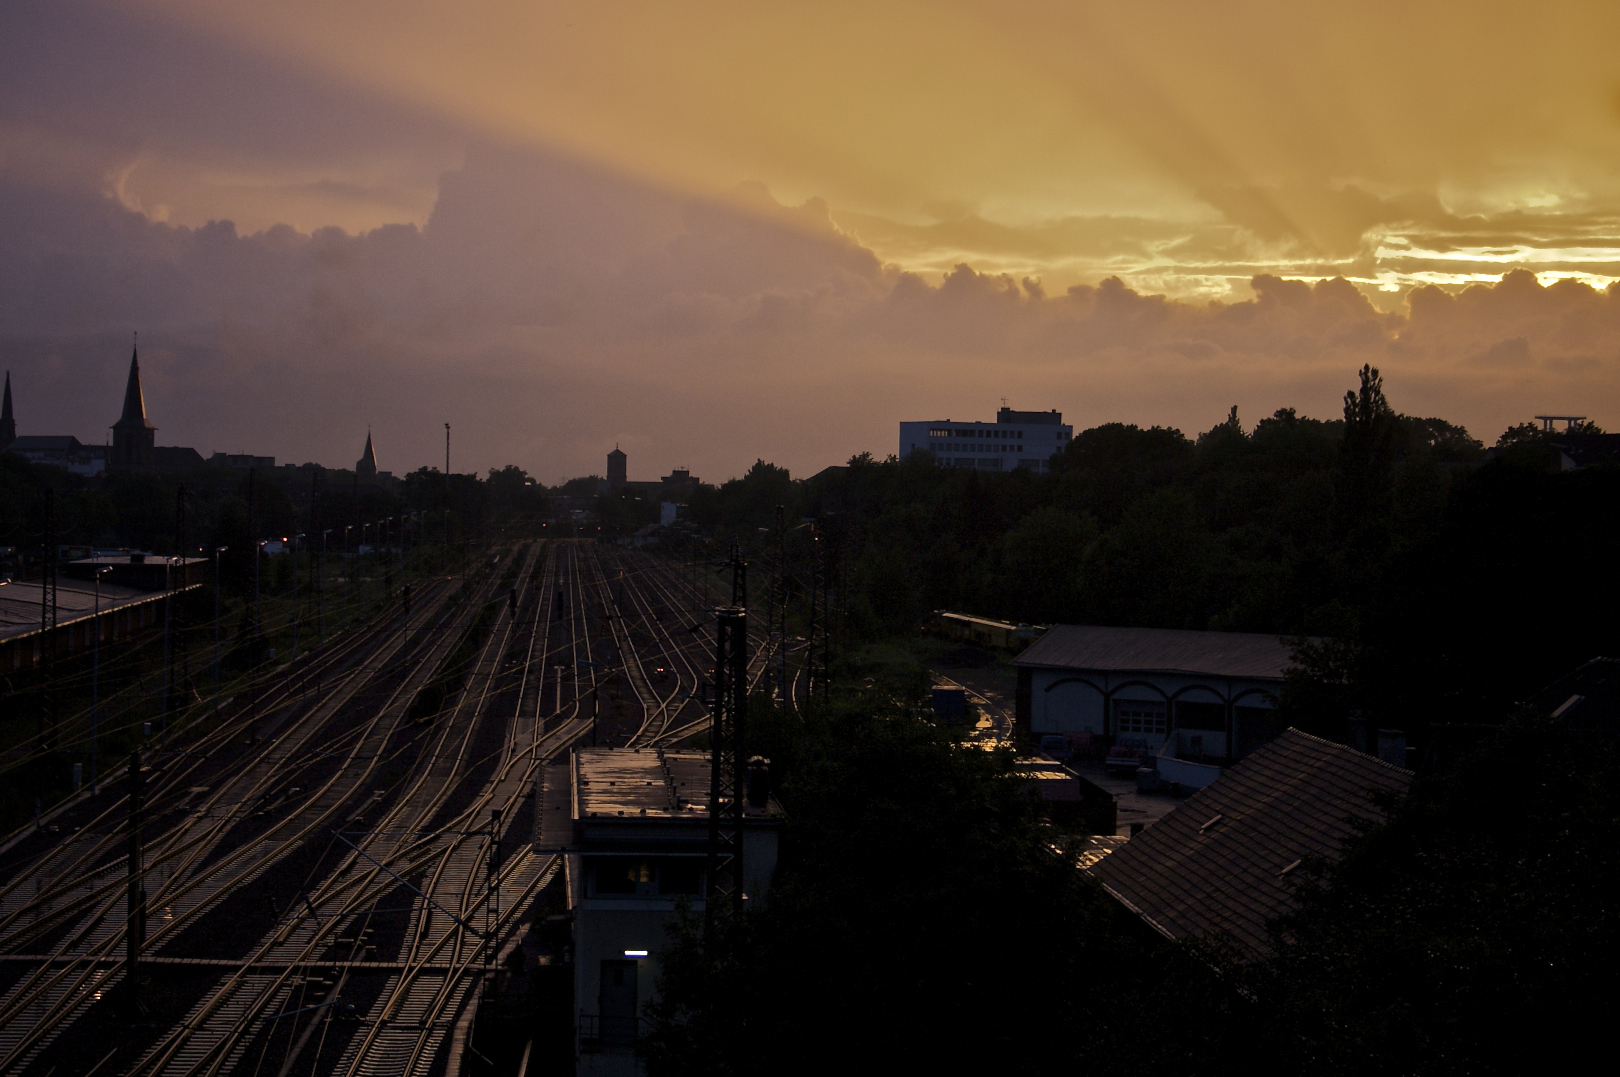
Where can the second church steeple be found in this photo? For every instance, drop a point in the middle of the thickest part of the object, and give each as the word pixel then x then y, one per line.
pixel 133 433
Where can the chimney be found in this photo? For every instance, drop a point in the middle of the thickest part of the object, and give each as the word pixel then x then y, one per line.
pixel 1392 746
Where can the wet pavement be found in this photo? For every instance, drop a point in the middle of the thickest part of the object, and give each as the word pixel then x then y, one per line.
pixel 1134 807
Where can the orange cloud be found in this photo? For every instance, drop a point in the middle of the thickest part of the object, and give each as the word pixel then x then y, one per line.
pixel 549 307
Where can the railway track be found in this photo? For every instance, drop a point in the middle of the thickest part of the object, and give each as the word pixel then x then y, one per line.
pixel 391 847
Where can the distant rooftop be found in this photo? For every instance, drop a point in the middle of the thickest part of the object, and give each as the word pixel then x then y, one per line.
pixel 75 600
pixel 49 443
pixel 1045 418
pixel 1159 650
pixel 644 783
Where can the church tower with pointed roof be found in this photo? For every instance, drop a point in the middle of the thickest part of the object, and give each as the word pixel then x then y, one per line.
pixel 8 425
pixel 133 434
pixel 365 469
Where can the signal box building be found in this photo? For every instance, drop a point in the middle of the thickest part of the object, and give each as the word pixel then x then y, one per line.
pixel 632 825
pixel 1026 439
pixel 1181 695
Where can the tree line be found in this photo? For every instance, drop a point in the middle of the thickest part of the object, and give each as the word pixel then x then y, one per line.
pixel 1424 577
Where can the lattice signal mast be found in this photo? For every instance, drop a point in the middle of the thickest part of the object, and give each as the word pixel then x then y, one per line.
pixel 728 775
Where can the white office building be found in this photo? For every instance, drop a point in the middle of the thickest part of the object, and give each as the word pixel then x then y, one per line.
pixel 1016 439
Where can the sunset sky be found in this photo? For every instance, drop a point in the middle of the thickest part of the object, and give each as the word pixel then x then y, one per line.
pixel 711 232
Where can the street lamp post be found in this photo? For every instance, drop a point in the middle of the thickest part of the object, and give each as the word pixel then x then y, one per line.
pixel 322 596
pixel 348 576
pixel 296 608
pixel 363 528
pixel 95 679
pixel 258 647
pixel 217 551
pixel 388 560
pixel 258 626
pixel 168 670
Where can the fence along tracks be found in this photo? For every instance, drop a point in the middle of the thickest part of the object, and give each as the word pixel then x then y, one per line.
pixel 424 850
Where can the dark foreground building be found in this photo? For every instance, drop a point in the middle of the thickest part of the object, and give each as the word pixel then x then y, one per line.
pixel 1221 861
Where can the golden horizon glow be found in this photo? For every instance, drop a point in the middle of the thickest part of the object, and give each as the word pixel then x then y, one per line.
pixel 868 210
pixel 1312 134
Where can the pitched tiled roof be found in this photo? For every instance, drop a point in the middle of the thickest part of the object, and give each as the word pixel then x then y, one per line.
pixel 1159 650
pixel 1217 862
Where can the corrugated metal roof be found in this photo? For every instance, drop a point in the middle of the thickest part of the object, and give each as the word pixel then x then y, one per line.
pixel 641 782
pixel 1159 650
pixel 1217 863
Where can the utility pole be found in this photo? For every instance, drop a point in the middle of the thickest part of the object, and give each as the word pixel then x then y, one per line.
pixel 777 654
pixel 47 622
pixel 810 627
pixel 95 680
pixel 168 664
pixel 728 775
pixel 217 551
pixel 297 610
pixel 135 914
pixel 168 601
pixel 492 895
pixel 739 579
pixel 180 520
pixel 258 650
pixel 317 586
pixel 322 596
pixel 348 576
pixel 252 530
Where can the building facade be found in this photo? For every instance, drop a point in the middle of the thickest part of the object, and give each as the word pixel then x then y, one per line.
pixel 1026 439
pixel 632 826
pixel 1179 695
pixel 61 450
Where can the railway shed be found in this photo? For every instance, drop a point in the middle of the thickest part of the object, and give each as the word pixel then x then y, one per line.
pixel 125 611
pixel 632 825
pixel 1189 699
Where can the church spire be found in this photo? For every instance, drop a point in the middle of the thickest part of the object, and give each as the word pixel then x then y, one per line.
pixel 133 433
pixel 134 400
pixel 8 425
pixel 366 466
